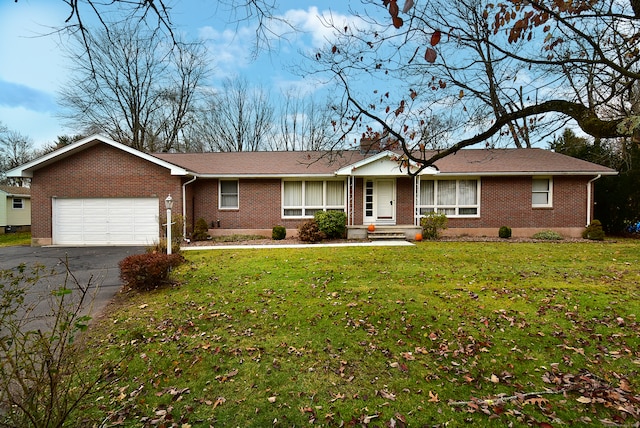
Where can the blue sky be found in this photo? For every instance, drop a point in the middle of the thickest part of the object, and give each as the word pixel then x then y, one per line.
pixel 32 67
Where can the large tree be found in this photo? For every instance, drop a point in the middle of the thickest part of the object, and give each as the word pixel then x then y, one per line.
pixel 304 124
pixel 238 118
pixel 513 71
pixel 137 86
pixel 15 149
pixel 158 14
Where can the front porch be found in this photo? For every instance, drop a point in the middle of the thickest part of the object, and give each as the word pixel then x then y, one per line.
pixel 407 232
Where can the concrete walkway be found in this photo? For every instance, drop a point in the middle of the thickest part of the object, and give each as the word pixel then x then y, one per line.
pixel 399 243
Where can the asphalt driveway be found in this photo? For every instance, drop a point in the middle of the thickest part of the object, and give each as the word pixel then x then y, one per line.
pixel 93 266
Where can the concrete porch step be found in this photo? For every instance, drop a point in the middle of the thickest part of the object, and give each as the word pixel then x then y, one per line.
pixel 386 234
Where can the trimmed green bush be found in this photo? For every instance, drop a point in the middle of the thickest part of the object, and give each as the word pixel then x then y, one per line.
pixel 200 230
pixel 278 233
pixel 332 223
pixel 310 232
pixel 504 232
pixel 148 271
pixel 432 224
pixel 594 231
pixel 548 235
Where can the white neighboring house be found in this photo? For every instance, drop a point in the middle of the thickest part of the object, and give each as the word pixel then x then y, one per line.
pixel 15 209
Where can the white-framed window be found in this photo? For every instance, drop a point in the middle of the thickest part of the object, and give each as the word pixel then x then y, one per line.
pixel 454 198
pixel 542 193
pixel 228 195
pixel 18 203
pixel 304 198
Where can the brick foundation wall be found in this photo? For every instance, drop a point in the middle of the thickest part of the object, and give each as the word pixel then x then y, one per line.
pixel 100 171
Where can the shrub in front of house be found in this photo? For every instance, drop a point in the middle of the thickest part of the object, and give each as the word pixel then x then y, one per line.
pixel 148 271
pixel 200 230
pixel 278 233
pixel 433 224
pixel 332 223
pixel 548 235
pixel 310 232
pixel 594 231
pixel 504 232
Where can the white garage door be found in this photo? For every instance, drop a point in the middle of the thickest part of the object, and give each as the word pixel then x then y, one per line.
pixel 107 221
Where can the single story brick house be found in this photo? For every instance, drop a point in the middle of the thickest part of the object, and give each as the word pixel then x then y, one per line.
pixel 15 209
pixel 100 192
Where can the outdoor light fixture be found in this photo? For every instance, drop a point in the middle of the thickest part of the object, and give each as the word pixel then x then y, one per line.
pixel 168 203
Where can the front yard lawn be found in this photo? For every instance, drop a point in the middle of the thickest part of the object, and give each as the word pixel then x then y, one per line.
pixel 13 239
pixel 440 334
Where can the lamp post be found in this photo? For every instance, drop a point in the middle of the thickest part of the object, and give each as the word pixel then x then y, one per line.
pixel 168 203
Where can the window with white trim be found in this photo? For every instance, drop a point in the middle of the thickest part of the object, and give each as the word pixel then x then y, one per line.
pixel 305 198
pixel 18 203
pixel 454 198
pixel 228 195
pixel 541 193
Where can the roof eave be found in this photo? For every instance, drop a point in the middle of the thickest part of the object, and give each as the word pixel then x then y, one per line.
pixel 528 173
pixel 262 176
pixel 26 170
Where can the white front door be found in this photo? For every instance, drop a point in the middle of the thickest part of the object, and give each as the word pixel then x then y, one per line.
pixel 380 203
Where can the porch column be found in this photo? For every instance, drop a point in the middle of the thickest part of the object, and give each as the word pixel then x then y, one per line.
pixel 416 201
pixel 350 202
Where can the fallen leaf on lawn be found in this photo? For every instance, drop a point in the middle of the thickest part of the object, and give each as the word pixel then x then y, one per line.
pixel 625 385
pixel 433 398
pixel 583 399
pixel 494 379
pixel 337 396
pixel 387 395
pixel 368 419
pixel 272 399
pixel 144 305
pixel 219 401
pixel 538 401
pixel 227 376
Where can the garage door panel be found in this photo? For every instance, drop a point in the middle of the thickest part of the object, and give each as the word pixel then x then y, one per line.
pixel 106 221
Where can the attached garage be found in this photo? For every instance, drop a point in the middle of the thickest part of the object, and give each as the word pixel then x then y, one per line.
pixel 105 221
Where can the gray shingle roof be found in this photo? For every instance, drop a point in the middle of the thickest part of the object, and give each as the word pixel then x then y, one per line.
pixel 14 190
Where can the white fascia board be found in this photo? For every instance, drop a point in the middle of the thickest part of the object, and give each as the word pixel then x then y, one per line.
pixel 27 169
pixel 525 173
pixel 259 176
pixel 368 167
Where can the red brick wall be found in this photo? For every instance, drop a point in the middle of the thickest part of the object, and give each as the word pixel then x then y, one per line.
pixel 507 202
pixel 260 205
pixel 100 171
pixel 404 200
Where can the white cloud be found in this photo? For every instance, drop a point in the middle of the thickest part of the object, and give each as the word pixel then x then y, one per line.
pixel 31 68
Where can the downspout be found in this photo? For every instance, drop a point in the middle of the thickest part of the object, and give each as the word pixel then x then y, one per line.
pixel 184 207
pixel 589 204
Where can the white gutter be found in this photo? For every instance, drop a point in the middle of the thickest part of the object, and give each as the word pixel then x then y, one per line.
pixel 589 204
pixel 184 207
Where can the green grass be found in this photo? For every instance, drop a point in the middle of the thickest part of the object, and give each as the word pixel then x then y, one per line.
pixel 13 239
pixel 440 334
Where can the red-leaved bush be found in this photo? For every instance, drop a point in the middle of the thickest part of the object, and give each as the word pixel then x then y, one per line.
pixel 148 271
